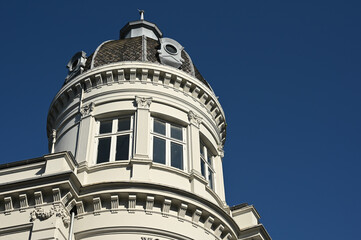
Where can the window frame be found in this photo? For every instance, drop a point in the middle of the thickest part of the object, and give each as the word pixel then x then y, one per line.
pixel 168 140
pixel 207 160
pixel 113 137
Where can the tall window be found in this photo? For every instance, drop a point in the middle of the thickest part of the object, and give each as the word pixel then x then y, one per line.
pixel 168 144
pixel 114 139
pixel 207 164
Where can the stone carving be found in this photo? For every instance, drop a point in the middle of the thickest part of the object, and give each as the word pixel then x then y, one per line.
pixel 220 150
pixel 41 214
pixel 87 109
pixel 76 65
pixel 194 118
pixel 143 102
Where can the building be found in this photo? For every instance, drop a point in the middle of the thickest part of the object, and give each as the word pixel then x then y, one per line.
pixel 136 140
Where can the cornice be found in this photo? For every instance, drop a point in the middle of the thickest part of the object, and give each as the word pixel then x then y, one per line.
pixel 143 72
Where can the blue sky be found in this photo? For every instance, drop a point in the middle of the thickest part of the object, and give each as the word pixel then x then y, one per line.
pixel 287 73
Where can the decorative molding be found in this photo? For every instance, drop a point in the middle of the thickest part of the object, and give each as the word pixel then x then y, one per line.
pixel 80 207
pixel 38 198
pixel 8 205
pixel 182 211
pixel 41 214
pixel 131 203
pixel 87 109
pixel 66 198
pixel 166 207
pixel 114 203
pixel 56 195
pixel 143 102
pixel 208 223
pixel 23 202
pixel 149 204
pixel 220 150
pixel 196 216
pixel 97 203
pixel 194 118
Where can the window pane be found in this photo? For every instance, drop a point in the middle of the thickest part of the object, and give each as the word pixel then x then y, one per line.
pixel 159 127
pixel 176 132
pixel 105 126
pixel 176 151
pixel 103 150
pixel 201 149
pixel 123 124
pixel 122 151
pixel 209 157
pixel 203 169
pixel 210 178
pixel 158 150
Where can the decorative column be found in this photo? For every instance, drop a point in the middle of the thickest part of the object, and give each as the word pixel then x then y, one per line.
pixel 198 183
pixel 142 128
pixel 85 132
pixel 218 167
pixel 141 156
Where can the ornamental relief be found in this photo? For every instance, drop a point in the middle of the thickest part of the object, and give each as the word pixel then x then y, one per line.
pixel 194 118
pixel 143 102
pixel 41 214
pixel 86 109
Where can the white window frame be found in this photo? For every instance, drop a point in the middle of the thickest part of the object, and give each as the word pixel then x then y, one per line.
pixel 168 141
pixel 207 165
pixel 113 135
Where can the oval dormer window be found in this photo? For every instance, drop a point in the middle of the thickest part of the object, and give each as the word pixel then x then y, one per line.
pixel 171 49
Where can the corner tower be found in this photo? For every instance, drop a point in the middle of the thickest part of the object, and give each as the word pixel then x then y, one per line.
pixel 136 138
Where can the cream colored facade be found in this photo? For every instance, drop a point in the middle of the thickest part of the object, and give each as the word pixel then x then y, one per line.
pixel 136 153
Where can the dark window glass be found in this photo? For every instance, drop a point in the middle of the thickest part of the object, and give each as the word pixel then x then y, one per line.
pixel 209 157
pixel 106 126
pixel 122 151
pixel 202 149
pixel 171 48
pixel 176 132
pixel 123 124
pixel 210 178
pixel 176 151
pixel 159 127
pixel 203 169
pixel 158 150
pixel 103 150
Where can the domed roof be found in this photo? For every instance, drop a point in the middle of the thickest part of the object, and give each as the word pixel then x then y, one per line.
pixel 141 41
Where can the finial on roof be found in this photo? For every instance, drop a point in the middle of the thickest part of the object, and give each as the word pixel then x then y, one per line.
pixel 141 12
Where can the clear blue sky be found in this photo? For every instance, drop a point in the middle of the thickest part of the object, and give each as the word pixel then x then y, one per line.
pixel 287 73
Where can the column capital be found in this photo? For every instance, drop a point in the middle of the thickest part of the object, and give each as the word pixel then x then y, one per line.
pixel 87 109
pixel 194 119
pixel 143 102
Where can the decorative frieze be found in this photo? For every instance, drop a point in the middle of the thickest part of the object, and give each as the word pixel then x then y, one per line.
pixel 41 214
pixel 143 102
pixel 149 204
